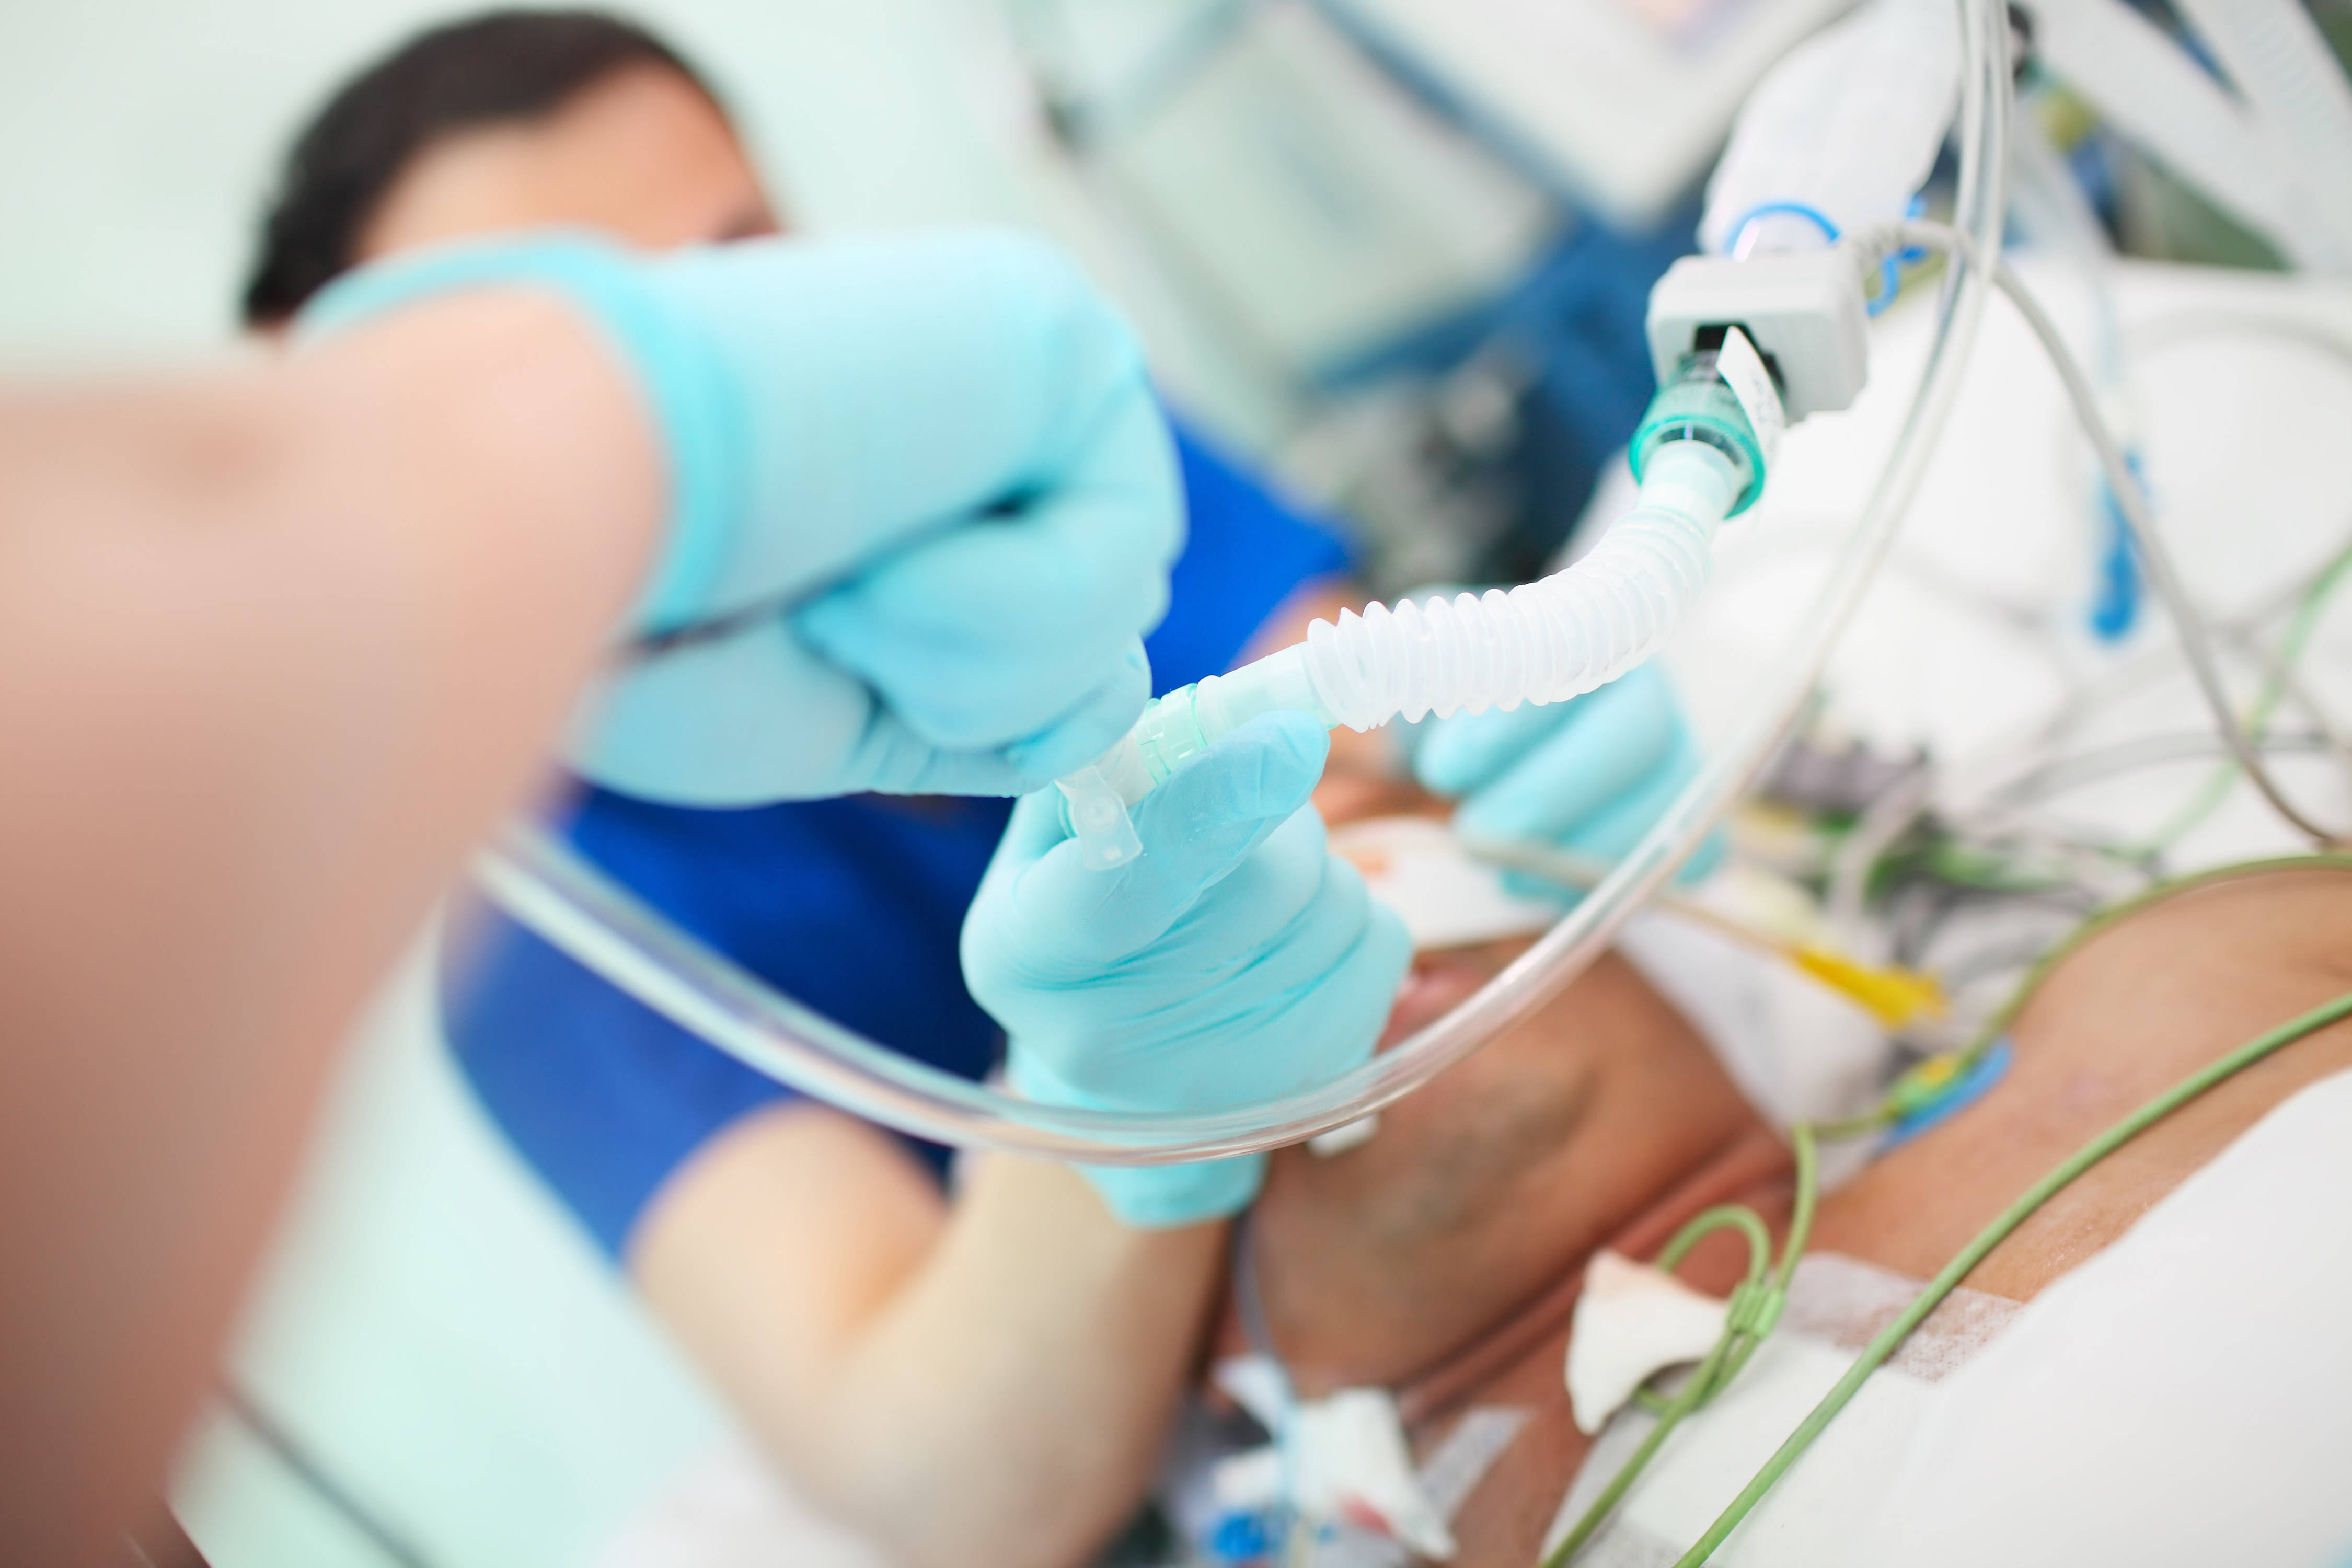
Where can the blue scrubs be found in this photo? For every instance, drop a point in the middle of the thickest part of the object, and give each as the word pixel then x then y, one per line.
pixel 851 906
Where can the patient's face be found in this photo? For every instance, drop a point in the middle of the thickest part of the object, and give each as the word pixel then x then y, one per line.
pixel 641 155
pixel 1481 1188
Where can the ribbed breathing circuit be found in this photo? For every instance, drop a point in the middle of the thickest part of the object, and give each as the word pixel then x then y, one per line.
pixel 1545 641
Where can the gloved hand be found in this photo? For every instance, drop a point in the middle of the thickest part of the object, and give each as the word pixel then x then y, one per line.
pixel 923 502
pixel 1238 959
pixel 1588 775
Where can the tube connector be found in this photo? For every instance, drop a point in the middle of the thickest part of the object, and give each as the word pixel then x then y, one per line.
pixel 1700 404
pixel 1804 311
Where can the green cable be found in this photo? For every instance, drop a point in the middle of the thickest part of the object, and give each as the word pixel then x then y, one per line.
pixel 1684 1401
pixel 1725 1217
pixel 1800 1220
pixel 1800 1229
pixel 1743 1331
pixel 1756 1307
pixel 1992 1235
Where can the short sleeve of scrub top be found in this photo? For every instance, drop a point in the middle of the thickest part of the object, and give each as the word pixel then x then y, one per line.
pixel 852 906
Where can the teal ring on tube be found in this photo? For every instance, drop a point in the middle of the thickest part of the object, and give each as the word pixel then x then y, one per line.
pixel 1697 407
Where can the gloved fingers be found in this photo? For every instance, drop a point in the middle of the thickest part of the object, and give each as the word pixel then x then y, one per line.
pixel 1610 835
pixel 893 760
pixel 1336 1008
pixel 989 630
pixel 1612 745
pixel 1161 1197
pixel 1041 909
pixel 892 385
pixel 1322 984
pixel 1321 1017
pixel 1287 909
pixel 752 716
pixel 741 719
pixel 1207 822
pixel 1091 727
pixel 1642 811
pixel 1458 756
pixel 1148 1197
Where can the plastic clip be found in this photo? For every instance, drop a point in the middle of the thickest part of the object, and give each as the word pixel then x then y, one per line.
pixel 1098 821
pixel 1754 1308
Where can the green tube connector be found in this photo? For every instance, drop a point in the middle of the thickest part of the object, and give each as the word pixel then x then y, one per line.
pixel 1697 405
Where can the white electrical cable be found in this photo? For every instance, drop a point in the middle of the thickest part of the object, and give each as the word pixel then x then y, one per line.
pixel 549 889
pixel 2196 646
pixel 1994 771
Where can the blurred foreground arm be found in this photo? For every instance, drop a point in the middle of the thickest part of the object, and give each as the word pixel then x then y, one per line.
pixel 275 648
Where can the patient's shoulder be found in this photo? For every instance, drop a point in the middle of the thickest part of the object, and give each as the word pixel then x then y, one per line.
pixel 2133 1012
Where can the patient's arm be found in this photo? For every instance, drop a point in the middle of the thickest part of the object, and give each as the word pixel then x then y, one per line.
pixel 984 1385
pixel 276 647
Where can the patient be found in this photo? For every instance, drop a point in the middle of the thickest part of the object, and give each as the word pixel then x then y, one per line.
pixel 1442 1258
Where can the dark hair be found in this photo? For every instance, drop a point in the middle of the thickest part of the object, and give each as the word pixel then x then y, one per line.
pixel 501 65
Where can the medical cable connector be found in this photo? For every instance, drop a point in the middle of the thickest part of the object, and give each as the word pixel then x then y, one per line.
pixel 1700 460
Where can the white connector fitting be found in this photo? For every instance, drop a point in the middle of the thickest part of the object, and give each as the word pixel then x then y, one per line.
pixel 1804 311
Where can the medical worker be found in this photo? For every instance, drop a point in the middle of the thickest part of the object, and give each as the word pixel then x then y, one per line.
pixel 1008 1358
pixel 278 644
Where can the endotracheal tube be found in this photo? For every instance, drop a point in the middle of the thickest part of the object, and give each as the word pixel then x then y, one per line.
pixel 1699 462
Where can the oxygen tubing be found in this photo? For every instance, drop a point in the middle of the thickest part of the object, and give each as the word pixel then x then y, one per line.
pixel 549 889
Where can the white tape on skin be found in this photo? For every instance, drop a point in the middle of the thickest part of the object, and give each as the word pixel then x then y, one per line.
pixel 1631 1322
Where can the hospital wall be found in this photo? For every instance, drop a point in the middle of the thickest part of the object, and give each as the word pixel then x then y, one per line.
pixel 137 139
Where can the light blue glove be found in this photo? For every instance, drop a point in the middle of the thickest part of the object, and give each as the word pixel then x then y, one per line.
pixel 1588 775
pixel 1237 960
pixel 923 505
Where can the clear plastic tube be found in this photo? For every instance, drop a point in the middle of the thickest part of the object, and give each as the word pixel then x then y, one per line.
pixel 549 889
